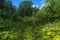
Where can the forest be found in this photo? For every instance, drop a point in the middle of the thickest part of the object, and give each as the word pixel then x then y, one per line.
pixel 29 23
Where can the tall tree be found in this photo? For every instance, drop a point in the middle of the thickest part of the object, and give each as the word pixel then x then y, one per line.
pixel 57 8
pixel 7 8
pixel 2 2
pixel 52 9
pixel 25 8
pixel 10 8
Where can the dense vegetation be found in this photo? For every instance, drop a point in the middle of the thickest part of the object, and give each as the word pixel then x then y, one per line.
pixel 29 23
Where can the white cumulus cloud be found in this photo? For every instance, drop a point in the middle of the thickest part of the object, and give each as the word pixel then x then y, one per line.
pixel 42 6
pixel 35 6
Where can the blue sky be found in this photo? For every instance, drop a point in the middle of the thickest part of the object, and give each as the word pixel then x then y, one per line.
pixel 35 2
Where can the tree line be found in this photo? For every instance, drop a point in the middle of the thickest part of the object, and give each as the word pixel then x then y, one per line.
pixel 25 18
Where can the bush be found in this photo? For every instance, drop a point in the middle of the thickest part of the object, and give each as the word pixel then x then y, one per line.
pixel 7 35
pixel 50 31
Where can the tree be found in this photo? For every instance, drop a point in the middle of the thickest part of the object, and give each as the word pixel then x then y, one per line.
pixel 49 10
pixel 57 8
pixel 2 2
pixel 10 8
pixel 35 9
pixel 7 8
pixel 25 8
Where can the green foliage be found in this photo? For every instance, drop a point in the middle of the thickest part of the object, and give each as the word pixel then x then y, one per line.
pixel 28 35
pixel 7 35
pixel 57 9
pixel 1 23
pixel 28 23
pixel 25 8
pixel 9 7
pixel 2 6
pixel 50 31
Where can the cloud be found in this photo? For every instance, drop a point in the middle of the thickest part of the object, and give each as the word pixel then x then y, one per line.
pixel 38 6
pixel 35 6
pixel 42 6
